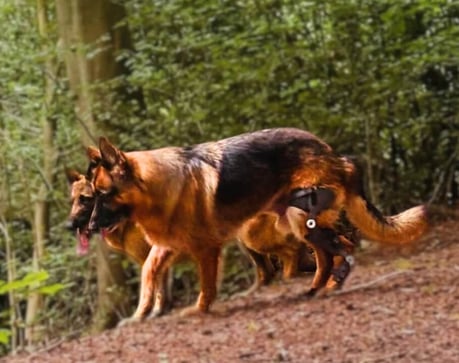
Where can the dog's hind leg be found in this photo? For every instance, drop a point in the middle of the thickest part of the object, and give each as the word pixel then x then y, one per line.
pixel 324 263
pixel 289 264
pixel 342 265
pixel 324 259
pixel 306 261
pixel 264 268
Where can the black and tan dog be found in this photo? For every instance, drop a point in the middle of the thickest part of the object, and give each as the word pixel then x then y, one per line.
pixel 128 239
pixel 125 237
pixel 193 199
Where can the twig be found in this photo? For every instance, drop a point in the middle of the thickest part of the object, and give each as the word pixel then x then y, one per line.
pixel 386 358
pixel 442 176
pixel 57 343
pixel 371 283
pixel 47 348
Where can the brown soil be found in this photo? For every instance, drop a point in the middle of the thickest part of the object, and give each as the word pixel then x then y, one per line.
pixel 397 306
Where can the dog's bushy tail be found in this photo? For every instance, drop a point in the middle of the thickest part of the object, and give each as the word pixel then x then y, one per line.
pixel 401 228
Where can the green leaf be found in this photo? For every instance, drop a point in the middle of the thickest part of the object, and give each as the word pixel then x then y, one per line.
pixel 51 289
pixel 34 277
pixel 30 279
pixel 4 336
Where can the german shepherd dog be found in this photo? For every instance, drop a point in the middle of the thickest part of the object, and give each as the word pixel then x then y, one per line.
pixel 193 199
pixel 125 238
pixel 263 239
pixel 128 239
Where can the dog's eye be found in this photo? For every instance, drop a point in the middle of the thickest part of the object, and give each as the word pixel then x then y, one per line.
pixel 83 199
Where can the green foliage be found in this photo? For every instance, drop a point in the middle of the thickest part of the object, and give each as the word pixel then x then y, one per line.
pixel 32 282
pixel 219 68
pixel 21 160
pixel 4 336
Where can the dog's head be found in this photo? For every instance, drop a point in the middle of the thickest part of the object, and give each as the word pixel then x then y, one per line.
pixel 112 182
pixel 82 199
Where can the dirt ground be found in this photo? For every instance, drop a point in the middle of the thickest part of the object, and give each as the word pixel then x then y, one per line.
pixel 397 306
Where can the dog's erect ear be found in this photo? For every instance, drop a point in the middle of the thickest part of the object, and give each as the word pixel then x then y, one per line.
pixel 72 175
pixel 94 155
pixel 95 160
pixel 110 154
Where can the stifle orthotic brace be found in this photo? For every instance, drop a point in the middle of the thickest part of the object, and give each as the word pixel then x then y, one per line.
pixel 313 201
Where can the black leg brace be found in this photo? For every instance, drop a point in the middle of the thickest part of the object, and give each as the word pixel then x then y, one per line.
pixel 314 201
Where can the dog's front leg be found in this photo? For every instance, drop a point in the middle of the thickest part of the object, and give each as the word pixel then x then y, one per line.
pixel 163 290
pixel 155 261
pixel 208 270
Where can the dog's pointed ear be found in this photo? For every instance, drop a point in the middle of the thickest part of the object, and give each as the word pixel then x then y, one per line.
pixel 110 154
pixel 72 175
pixel 93 154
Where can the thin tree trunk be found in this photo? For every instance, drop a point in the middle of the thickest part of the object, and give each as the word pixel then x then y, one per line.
pixel 35 301
pixel 83 26
pixel 10 278
pixel 369 156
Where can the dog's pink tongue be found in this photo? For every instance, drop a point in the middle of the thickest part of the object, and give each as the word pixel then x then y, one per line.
pixel 83 242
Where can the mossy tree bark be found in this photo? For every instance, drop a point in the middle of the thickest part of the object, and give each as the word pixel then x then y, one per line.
pixel 91 36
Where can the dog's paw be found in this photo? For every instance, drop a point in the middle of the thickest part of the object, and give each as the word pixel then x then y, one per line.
pixel 193 311
pixel 156 313
pixel 311 293
pixel 129 321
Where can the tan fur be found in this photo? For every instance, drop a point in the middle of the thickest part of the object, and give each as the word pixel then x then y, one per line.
pixel 174 200
pixel 129 239
pixel 402 228
pixel 126 238
pixel 260 234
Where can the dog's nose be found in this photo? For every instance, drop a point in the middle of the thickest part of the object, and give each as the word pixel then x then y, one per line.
pixel 69 225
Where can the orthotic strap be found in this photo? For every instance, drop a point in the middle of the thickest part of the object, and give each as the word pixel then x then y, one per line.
pixel 314 201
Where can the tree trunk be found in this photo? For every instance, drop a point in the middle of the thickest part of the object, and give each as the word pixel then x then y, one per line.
pixel 372 193
pixel 92 26
pixel 11 275
pixel 42 204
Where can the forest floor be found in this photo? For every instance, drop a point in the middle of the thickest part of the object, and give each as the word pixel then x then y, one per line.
pixel 397 306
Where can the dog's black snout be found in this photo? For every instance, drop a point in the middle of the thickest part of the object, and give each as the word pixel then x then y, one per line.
pixel 69 225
